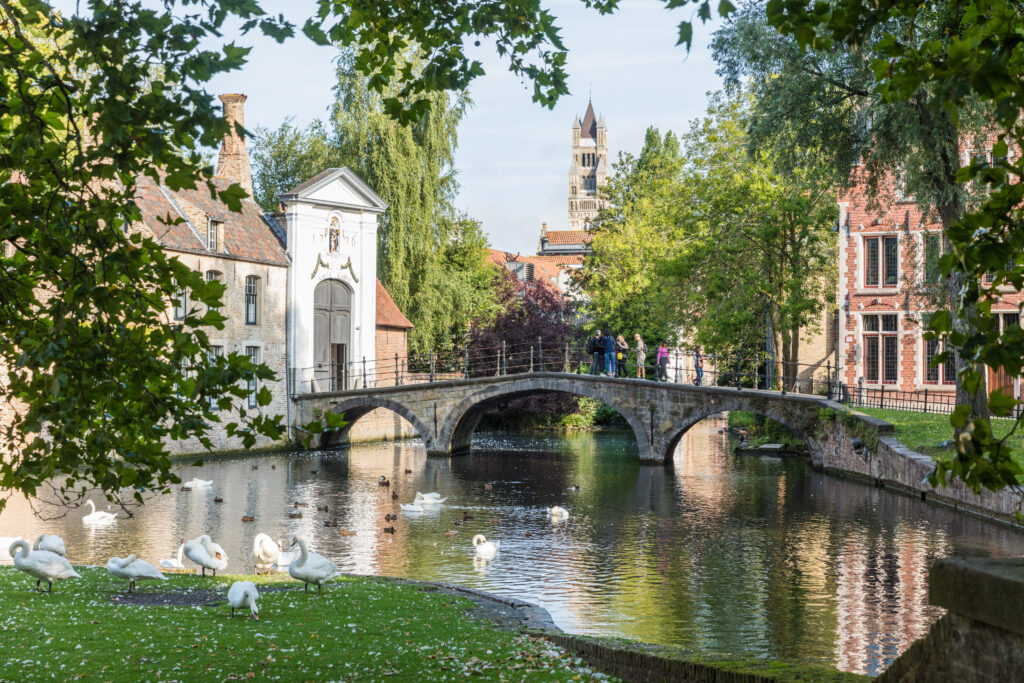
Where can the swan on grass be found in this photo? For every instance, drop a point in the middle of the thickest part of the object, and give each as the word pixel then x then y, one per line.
pixel 174 563
pixel 42 564
pixel 5 543
pixel 485 549
pixel 51 542
pixel 207 554
pixel 133 569
pixel 243 594
pixel 558 513
pixel 97 516
pixel 270 554
pixel 311 567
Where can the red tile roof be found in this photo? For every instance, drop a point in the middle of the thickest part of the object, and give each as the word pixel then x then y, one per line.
pixel 568 237
pixel 561 259
pixel 244 235
pixel 545 270
pixel 388 314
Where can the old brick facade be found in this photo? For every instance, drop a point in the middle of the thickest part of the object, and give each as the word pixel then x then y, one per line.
pixel 888 284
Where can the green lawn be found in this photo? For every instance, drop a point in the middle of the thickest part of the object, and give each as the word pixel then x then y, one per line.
pixel 924 432
pixel 357 629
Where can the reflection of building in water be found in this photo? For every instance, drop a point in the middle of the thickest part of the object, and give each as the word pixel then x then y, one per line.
pixel 881 595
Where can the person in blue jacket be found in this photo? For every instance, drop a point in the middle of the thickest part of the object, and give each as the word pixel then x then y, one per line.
pixel 608 343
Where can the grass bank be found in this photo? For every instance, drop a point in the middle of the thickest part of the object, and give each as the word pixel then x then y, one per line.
pixel 930 434
pixel 356 629
pixel 760 430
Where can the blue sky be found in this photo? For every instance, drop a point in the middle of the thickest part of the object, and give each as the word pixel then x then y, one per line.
pixel 513 155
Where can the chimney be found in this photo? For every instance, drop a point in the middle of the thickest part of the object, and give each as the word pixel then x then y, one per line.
pixel 543 229
pixel 233 162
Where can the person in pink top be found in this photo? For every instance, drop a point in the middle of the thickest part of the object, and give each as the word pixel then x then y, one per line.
pixel 662 360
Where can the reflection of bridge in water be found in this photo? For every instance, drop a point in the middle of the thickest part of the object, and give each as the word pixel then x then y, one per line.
pixel 445 413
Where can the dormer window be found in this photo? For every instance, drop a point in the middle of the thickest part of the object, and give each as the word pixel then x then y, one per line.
pixel 213 235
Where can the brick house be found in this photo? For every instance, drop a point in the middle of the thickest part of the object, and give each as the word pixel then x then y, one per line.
pixel 888 285
pixel 301 292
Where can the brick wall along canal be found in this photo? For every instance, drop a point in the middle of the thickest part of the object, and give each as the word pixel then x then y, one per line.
pixel 721 553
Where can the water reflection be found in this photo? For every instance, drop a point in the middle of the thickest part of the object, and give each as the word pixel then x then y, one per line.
pixel 736 555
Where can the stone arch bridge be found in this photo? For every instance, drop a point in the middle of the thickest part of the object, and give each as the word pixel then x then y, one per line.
pixel 445 413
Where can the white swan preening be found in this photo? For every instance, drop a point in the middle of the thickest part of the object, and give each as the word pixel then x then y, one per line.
pixel 243 594
pixel 98 516
pixel 484 548
pixel 270 554
pixel 5 543
pixel 207 554
pixel 42 564
pixel 558 513
pixel 51 542
pixel 411 507
pixel 429 499
pixel 133 569
pixel 311 567
pixel 174 563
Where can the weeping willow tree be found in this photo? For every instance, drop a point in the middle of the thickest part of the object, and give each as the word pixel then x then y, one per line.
pixel 431 259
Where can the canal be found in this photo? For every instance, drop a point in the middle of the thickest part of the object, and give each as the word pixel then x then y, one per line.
pixel 720 553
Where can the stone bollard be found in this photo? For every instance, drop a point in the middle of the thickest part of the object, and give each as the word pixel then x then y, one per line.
pixel 981 637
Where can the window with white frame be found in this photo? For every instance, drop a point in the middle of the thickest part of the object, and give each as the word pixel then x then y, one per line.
pixel 881 261
pixel 180 303
pixel 212 276
pixel 880 340
pixel 213 235
pixel 213 354
pixel 252 298
pixel 253 352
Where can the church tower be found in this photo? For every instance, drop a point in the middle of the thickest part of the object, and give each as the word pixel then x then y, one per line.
pixel 589 169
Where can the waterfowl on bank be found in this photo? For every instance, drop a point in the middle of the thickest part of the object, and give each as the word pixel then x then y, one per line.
pixel 133 569
pixel 175 563
pixel 97 516
pixel 484 548
pixel 51 542
pixel 311 567
pixel 383 481
pixel 207 554
pixel 243 594
pixel 42 564
pixel 558 513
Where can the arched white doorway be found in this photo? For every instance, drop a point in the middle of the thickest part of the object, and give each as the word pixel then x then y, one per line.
pixel 332 335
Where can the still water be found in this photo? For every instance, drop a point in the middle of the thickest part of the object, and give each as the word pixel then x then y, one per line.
pixel 720 553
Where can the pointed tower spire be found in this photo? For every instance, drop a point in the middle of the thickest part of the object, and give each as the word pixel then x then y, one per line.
pixel 590 122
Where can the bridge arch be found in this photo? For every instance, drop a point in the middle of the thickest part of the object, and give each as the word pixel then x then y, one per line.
pixel 457 430
pixel 359 406
pixel 798 423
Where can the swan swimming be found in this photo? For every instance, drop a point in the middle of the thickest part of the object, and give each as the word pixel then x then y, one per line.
pixel 429 499
pixel 98 517
pixel 51 542
pixel 199 483
pixel 485 549
pixel 411 507
pixel 558 513
pixel 207 554
pixel 311 567
pixel 243 594
pixel 41 564
pixel 133 569
pixel 174 563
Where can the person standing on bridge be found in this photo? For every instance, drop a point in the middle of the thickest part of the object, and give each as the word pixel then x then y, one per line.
pixel 608 344
pixel 621 352
pixel 698 366
pixel 641 357
pixel 596 352
pixel 663 362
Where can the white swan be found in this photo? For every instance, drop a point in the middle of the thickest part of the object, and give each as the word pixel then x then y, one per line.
pixel 41 564
pixel 99 517
pixel 243 594
pixel 198 483
pixel 5 543
pixel 51 542
pixel 133 569
pixel 206 554
pixel 311 567
pixel 558 513
pixel 269 555
pixel 429 499
pixel 411 507
pixel 484 548
pixel 174 563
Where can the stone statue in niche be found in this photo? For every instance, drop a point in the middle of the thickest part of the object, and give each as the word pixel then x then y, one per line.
pixel 334 235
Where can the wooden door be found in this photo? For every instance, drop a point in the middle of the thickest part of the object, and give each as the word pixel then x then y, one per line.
pixel 332 316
